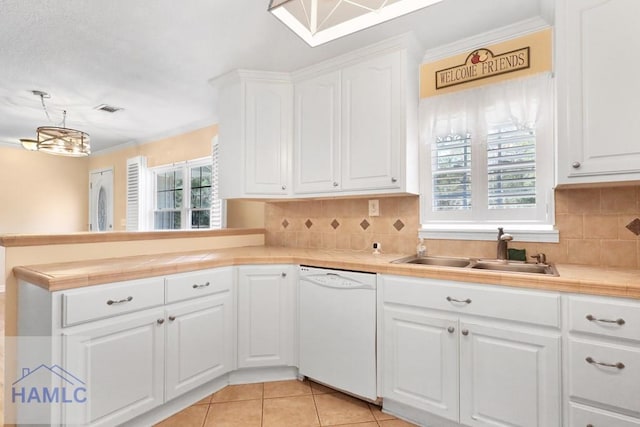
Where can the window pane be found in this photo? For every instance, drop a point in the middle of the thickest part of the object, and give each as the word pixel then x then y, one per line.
pixel 167 220
pixel 511 162
pixel 451 172
pixel 201 187
pixel 200 218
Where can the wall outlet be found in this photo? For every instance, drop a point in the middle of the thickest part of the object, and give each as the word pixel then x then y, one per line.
pixel 374 208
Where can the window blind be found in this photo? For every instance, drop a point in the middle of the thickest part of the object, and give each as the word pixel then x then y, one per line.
pixel 511 167
pixel 451 171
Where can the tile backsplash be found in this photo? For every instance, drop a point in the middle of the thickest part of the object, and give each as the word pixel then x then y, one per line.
pixel 344 224
pixel 598 226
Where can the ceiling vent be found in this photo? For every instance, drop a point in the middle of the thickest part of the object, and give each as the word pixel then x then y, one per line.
pixel 108 108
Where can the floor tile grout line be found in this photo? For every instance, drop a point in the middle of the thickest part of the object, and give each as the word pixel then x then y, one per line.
pixel 206 415
pixel 262 412
pixel 315 405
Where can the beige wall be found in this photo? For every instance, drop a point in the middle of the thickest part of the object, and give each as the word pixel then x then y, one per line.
pixel 245 214
pixel 592 223
pixel 188 146
pixel 42 193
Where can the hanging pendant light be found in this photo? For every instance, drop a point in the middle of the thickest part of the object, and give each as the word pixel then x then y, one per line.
pixel 61 141
pixel 320 21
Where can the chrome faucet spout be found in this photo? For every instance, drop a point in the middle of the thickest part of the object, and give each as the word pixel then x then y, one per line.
pixel 503 242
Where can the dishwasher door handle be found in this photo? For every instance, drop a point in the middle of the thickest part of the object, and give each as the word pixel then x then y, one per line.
pixel 355 284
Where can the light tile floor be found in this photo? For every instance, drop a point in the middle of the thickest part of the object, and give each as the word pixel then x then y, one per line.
pixel 281 404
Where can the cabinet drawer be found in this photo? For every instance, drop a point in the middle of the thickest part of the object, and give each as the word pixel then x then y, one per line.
pixel 535 307
pixel 96 302
pixel 617 387
pixel 619 319
pixel 583 416
pixel 198 283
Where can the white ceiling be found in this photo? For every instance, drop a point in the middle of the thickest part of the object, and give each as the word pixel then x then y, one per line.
pixel 154 58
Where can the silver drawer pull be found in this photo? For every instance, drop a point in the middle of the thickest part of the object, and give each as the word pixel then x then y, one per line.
pixel 618 365
pixel 201 286
pixel 591 318
pixel 466 301
pixel 120 301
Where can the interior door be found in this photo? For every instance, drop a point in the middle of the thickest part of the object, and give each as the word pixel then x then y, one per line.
pixel 101 200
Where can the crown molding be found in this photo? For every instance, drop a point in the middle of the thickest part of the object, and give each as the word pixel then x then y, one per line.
pixel 168 134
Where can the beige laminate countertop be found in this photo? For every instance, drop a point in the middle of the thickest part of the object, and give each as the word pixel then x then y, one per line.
pixel 70 275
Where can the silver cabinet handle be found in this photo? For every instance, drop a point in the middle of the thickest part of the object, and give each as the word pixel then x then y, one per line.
pixel 335 184
pixel 160 321
pixel 172 318
pixel 195 286
pixel 451 329
pixel 576 165
pixel 284 187
pixel 465 332
pixel 394 179
pixel 283 274
pixel 466 301
pixel 618 365
pixel 120 301
pixel 591 318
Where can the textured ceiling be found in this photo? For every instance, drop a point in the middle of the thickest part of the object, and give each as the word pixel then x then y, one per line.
pixel 154 58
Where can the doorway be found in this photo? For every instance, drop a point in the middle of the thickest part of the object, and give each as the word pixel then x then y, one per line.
pixel 101 200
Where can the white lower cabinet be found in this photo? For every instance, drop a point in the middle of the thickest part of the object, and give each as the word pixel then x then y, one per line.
pixel 121 361
pixel 470 369
pixel 603 361
pixel 266 316
pixel 134 362
pixel 509 376
pixel 199 342
pixel 421 361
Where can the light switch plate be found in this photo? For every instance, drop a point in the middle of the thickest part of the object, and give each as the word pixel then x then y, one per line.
pixel 374 208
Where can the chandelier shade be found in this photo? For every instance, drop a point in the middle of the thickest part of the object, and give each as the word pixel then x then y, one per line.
pixel 320 21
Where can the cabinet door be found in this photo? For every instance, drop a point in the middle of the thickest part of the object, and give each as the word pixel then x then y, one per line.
pixel 317 134
pixel 598 95
pixel 266 316
pixel 509 377
pixel 420 362
pixel 199 342
pixel 268 115
pixel 121 360
pixel 371 123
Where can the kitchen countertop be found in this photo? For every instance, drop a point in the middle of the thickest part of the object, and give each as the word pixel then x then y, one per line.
pixel 573 278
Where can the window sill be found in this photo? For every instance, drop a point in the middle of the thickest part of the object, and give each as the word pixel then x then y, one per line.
pixel 542 234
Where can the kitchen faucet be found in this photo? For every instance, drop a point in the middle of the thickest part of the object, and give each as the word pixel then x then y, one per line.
pixel 503 241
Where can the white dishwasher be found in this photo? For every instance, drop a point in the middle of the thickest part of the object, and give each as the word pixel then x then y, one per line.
pixel 337 321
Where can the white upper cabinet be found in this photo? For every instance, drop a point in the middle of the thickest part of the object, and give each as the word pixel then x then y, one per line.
pixel 372 128
pixel 256 113
pixel 317 134
pixel 355 128
pixel 598 94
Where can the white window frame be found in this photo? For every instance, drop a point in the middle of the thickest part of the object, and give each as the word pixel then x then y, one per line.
pixel 481 223
pixel 185 210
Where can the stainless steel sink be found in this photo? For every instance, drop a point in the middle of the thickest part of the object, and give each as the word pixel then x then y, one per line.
pixel 515 267
pixel 435 260
pixel 481 264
